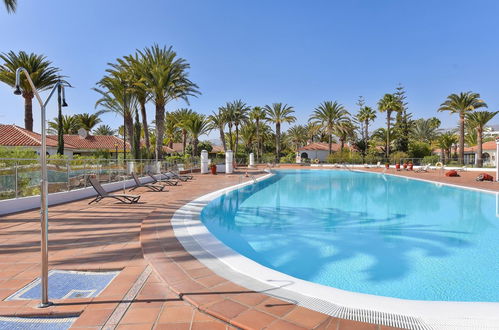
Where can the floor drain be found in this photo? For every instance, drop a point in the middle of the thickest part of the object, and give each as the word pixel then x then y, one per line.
pixel 36 323
pixel 68 284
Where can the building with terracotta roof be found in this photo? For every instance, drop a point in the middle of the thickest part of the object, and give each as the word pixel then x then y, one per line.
pixel 15 136
pixel 81 144
pixel 471 153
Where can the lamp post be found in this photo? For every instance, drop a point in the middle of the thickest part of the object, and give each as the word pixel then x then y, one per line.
pixel 44 180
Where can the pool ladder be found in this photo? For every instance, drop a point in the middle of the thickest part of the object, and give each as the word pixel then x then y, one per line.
pixel 241 178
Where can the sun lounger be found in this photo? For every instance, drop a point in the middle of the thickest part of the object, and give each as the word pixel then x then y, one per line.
pixel 101 194
pixel 167 180
pixel 151 186
pixel 425 168
pixel 183 177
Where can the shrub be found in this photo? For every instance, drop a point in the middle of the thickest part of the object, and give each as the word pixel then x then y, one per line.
pixel 431 159
pixel 344 156
pixel 419 149
pixel 398 157
pixel 289 158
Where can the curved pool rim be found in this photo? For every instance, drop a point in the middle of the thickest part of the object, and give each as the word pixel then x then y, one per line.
pixel 414 314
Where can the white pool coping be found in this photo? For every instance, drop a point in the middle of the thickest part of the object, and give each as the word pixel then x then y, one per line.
pixel 411 314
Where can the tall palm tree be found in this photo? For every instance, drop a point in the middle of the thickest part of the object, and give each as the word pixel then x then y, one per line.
pixel 257 114
pixel 165 77
pixel 240 116
pixel 477 120
pixel 462 103
pixel 278 114
pixel 41 71
pixel 135 66
pixel 248 136
pixel 197 125
pixel 88 121
pixel 328 115
pixel 389 103
pixel 104 130
pixel 365 116
pixel 182 116
pixel 10 5
pixel 69 125
pixel 217 121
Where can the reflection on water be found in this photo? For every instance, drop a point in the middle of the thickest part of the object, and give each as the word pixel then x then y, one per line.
pixel 358 232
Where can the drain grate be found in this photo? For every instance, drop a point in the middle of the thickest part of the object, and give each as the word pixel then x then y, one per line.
pixel 36 323
pixel 67 284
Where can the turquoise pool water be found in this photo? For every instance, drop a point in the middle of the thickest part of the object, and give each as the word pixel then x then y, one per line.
pixel 366 232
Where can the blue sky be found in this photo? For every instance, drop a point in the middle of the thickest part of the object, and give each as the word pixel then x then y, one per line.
pixel 262 51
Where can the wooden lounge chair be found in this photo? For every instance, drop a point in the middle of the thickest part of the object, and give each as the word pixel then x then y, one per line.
pixel 101 194
pixel 167 180
pixel 151 186
pixel 183 177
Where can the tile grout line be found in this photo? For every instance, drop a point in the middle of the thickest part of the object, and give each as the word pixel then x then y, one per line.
pixel 123 306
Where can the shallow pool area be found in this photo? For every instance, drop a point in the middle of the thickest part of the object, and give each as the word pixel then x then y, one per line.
pixel 366 233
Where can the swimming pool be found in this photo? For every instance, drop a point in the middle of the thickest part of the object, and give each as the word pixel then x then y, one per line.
pixel 366 233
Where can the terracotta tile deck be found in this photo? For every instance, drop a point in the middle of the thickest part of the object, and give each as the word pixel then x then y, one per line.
pixel 180 293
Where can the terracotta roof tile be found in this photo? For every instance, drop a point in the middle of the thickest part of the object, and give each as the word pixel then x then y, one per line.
pixel 15 136
pixel 322 146
pixel 94 142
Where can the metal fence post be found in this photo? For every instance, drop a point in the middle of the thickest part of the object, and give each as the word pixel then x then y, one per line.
pixel 15 180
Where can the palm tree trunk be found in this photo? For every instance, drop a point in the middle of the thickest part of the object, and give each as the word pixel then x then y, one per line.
pixel 257 140
pixel 366 127
pixel 388 115
pixel 442 155
pixel 231 142
pixel 222 137
pixel 330 144
pixel 461 139
pixel 278 141
pixel 160 129
pixel 184 140
pixel 129 129
pixel 342 144
pixel 143 114
pixel 480 150
pixel 195 146
pixel 28 111
pixel 237 138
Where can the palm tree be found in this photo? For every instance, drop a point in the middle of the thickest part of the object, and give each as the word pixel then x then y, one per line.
pixel 10 5
pixel 165 77
pixel 462 103
pixel 182 116
pixel 41 71
pixel 425 130
pixel 88 121
pixel 116 97
pixel 228 114
pixel 445 143
pixel 197 125
pixel 248 136
pixel 257 114
pixel 69 125
pixel 277 114
pixel 297 136
pixel 104 130
pixel 365 116
pixel 381 135
pixel 135 66
pixel 389 103
pixel 478 120
pixel 328 116
pixel 240 116
pixel 172 130
pixel 344 130
pixel 217 121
